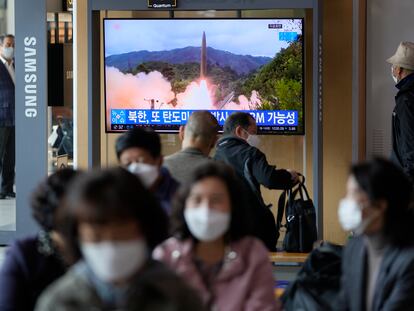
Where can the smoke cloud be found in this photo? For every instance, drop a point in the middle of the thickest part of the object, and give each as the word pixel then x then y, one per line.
pixel 127 91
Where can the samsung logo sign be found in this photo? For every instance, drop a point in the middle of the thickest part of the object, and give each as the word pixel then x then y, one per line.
pixel 30 77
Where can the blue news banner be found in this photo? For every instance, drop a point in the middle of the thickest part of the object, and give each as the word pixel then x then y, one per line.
pixel 131 117
pixel 288 36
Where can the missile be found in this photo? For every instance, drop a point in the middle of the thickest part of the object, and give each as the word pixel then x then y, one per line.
pixel 203 62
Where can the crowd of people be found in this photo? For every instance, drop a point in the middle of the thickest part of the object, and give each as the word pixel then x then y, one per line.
pixel 194 233
pixel 134 238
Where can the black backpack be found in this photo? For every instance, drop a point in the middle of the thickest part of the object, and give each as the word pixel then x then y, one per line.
pixel 318 283
pixel 301 231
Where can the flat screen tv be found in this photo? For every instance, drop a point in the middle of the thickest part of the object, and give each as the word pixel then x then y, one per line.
pixel 158 71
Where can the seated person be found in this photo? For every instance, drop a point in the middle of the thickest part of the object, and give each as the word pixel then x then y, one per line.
pixel 378 262
pixel 32 263
pixel 118 224
pixel 198 138
pixel 139 150
pixel 239 148
pixel 211 248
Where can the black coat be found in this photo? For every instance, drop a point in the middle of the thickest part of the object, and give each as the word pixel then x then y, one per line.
pixel 395 284
pixel 252 166
pixel 403 127
pixel 6 97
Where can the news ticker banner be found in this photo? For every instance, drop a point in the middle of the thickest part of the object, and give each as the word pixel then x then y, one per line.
pixel 179 117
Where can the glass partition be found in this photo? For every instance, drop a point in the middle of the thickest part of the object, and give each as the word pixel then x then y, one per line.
pixel 60 91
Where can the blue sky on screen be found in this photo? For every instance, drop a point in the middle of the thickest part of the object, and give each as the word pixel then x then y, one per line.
pixel 244 37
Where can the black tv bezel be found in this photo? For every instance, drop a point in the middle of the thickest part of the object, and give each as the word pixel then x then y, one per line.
pixel 175 131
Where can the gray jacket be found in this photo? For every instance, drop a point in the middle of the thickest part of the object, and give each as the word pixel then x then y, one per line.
pixel 182 163
pixel 395 284
pixel 155 289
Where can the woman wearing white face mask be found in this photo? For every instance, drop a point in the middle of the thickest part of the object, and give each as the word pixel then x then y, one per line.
pixel 118 223
pixel 211 248
pixel 378 262
pixel 139 151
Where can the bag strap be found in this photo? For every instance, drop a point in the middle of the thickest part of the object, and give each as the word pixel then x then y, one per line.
pixel 285 199
pixel 296 191
pixel 281 206
pixel 306 191
pixel 303 188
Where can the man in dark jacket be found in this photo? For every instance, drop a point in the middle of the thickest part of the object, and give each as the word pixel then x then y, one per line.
pixel 238 148
pixel 7 144
pixel 402 71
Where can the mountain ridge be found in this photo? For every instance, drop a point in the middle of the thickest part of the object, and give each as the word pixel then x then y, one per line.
pixel 242 64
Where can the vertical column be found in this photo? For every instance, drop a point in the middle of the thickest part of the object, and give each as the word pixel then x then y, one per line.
pixel 80 83
pixel 94 91
pixel 10 17
pixel 31 105
pixel 358 80
pixel 318 115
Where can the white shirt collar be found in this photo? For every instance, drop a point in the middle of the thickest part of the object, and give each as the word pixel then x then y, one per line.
pixel 5 61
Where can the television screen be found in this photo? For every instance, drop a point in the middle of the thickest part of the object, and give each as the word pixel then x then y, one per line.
pixel 158 71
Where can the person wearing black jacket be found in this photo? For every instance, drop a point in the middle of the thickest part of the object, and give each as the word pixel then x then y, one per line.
pixel 238 149
pixel 7 111
pixel 402 71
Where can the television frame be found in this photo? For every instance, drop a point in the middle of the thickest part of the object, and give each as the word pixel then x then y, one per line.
pixel 176 131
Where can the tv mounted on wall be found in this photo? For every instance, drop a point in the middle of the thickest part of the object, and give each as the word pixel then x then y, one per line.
pixel 157 71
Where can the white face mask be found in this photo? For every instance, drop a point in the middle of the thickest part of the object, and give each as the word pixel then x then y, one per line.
pixel 115 260
pixel 8 53
pixel 393 77
pixel 206 224
pixel 252 139
pixel 350 217
pixel 146 172
pixel 350 214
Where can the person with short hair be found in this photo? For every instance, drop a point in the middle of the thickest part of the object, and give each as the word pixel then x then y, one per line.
pixel 238 148
pixel 33 263
pixel 402 71
pixel 211 247
pixel 378 261
pixel 139 150
pixel 7 112
pixel 198 137
pixel 118 223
